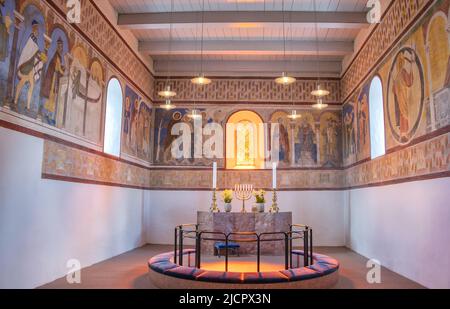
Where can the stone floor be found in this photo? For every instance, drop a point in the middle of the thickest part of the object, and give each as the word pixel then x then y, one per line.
pixel 129 271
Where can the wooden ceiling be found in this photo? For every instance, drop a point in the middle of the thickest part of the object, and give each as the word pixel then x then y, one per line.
pixel 244 37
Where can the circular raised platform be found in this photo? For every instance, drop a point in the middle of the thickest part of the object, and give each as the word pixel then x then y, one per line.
pixel 164 273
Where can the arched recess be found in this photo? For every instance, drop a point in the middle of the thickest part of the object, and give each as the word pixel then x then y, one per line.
pixel 113 118
pixel 245 141
pixel 376 119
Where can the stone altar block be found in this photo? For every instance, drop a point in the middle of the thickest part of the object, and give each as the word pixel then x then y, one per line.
pixel 245 222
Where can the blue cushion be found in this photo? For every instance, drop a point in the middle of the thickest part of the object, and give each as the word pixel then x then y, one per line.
pixel 184 272
pixel 323 268
pixel 298 274
pixel 161 267
pixel 222 245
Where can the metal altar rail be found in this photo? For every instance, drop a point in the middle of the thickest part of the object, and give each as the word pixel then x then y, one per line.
pixel 296 232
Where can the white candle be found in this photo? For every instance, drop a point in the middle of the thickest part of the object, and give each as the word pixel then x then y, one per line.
pixel 274 175
pixel 215 175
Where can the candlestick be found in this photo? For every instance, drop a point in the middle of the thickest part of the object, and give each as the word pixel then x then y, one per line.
pixel 274 208
pixel 214 207
pixel 274 175
pixel 215 175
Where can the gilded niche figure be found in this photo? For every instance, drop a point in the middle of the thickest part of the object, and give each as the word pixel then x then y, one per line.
pixel 51 82
pixel 403 81
pixel 244 140
pixel 31 62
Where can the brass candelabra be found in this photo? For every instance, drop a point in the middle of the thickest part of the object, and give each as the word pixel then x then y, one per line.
pixel 243 193
pixel 274 208
pixel 214 207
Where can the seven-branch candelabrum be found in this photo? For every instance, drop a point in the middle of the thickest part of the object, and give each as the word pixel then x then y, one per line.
pixel 214 207
pixel 274 208
pixel 243 193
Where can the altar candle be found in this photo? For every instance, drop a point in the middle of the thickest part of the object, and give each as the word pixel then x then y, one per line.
pixel 274 175
pixel 215 175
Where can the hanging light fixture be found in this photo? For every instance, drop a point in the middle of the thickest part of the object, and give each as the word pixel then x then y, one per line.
pixel 319 92
pixel 201 79
pixel 320 105
pixel 168 93
pixel 168 105
pixel 284 79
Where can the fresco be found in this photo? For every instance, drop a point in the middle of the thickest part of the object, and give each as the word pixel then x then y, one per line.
pixel 405 100
pixel 7 32
pixel 330 141
pixel 363 130
pixel 305 141
pixel 284 136
pixel 164 122
pixel 48 75
pixel 55 75
pixel 415 77
pixel 299 139
pixel 137 123
pixel 349 133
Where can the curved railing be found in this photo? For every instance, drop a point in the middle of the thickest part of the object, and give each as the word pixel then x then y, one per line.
pixel 296 232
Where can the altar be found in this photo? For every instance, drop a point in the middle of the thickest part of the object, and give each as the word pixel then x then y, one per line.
pixel 226 222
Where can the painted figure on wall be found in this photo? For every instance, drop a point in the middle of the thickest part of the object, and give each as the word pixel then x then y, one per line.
pixel 447 28
pixel 93 105
pixel 84 95
pixel 349 130
pixel 405 98
pixel 283 136
pixel 51 85
pixel 131 117
pixel 134 124
pixel 363 138
pixel 127 119
pixel 7 31
pixel 5 26
pixel 402 83
pixel 330 145
pixel 32 57
pixel 284 142
pixel 306 142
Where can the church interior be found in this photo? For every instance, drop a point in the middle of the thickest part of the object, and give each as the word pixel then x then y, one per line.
pixel 224 144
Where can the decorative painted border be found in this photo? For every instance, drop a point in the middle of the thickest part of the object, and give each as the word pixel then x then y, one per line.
pixel 426 160
pixel 239 90
pixel 396 21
